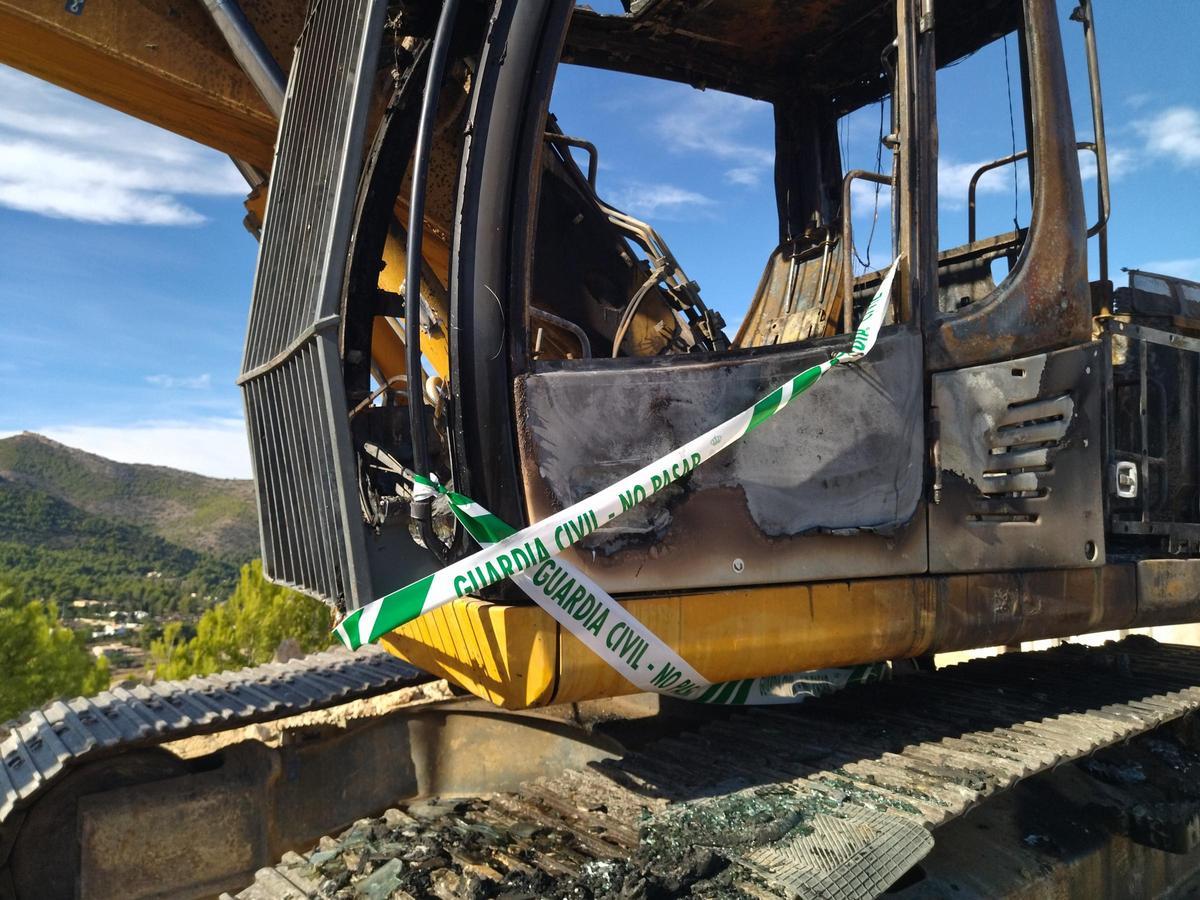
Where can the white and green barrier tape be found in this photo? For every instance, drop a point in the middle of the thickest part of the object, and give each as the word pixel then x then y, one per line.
pixel 608 629
pixel 568 594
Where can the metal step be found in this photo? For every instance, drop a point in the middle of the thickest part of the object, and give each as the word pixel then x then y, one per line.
pixel 826 799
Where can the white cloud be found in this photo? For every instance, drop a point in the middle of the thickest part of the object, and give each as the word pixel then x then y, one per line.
pixel 715 124
pixel 1173 133
pixel 215 447
pixel 1121 161
pixel 66 157
pixel 745 176
pixel 954 179
pixel 663 201
pixel 1188 268
pixel 862 197
pixel 186 382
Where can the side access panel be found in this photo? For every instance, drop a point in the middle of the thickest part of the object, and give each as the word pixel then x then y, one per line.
pixel 830 488
pixel 1018 482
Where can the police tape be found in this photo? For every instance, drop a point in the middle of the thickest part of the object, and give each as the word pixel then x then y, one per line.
pixel 512 553
pixel 622 641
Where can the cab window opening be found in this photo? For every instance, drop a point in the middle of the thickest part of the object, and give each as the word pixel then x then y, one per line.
pixel 984 177
pixel 701 169
pixel 654 211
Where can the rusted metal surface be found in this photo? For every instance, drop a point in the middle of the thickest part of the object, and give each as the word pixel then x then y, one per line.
pixel 850 459
pixel 1168 591
pixel 258 802
pixel 765 48
pixel 798 297
pixel 131 843
pixel 49 741
pixel 1003 608
pixel 1020 474
pixel 1045 302
pixel 83 746
pixel 692 813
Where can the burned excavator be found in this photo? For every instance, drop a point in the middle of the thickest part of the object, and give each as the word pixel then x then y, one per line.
pixel 445 297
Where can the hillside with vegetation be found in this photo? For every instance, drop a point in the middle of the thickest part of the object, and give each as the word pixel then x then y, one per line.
pixel 118 571
pixel 55 551
pixel 76 526
pixel 214 516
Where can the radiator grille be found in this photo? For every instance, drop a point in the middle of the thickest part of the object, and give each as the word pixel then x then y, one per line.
pixel 291 373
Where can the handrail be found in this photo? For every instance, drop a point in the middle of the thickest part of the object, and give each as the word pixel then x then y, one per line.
pixel 1101 193
pixel 588 146
pixel 585 346
pixel 848 237
pixel 1083 15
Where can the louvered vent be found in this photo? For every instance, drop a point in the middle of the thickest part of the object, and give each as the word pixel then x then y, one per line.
pixel 291 373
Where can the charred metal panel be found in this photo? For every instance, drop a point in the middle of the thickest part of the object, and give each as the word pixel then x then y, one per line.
pixel 1018 482
pixel 1153 451
pixel 1151 295
pixel 847 457
pixel 997 608
pixel 766 48
pixel 1045 302
pixel 794 298
pixel 1168 591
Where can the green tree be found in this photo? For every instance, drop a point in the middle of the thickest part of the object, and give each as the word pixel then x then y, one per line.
pixel 245 630
pixel 40 658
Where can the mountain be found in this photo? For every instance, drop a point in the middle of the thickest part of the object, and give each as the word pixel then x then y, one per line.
pixel 56 551
pixel 74 525
pixel 213 516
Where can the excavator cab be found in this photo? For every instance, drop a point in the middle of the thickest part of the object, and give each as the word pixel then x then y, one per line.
pixel 443 289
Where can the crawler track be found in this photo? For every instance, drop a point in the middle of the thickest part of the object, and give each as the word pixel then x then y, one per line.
pixel 47 743
pixel 841 795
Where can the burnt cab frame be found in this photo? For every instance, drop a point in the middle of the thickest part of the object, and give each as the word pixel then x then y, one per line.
pixel 531 437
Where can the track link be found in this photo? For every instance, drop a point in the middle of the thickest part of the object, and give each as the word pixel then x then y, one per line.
pixel 836 798
pixel 46 743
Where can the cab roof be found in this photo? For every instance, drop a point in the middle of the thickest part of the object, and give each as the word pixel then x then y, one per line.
pixel 767 49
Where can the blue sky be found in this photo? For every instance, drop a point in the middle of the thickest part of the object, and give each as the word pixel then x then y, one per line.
pixel 125 272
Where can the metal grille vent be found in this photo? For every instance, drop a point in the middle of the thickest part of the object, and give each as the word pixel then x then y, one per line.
pixel 291 371
pixel 1022 447
pixel 1018 476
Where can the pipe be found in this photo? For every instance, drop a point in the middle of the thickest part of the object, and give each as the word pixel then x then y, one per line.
pixel 249 51
pixel 848 240
pixel 254 178
pixel 1083 15
pixel 421 511
pixel 588 146
pixel 1102 191
pixel 585 345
